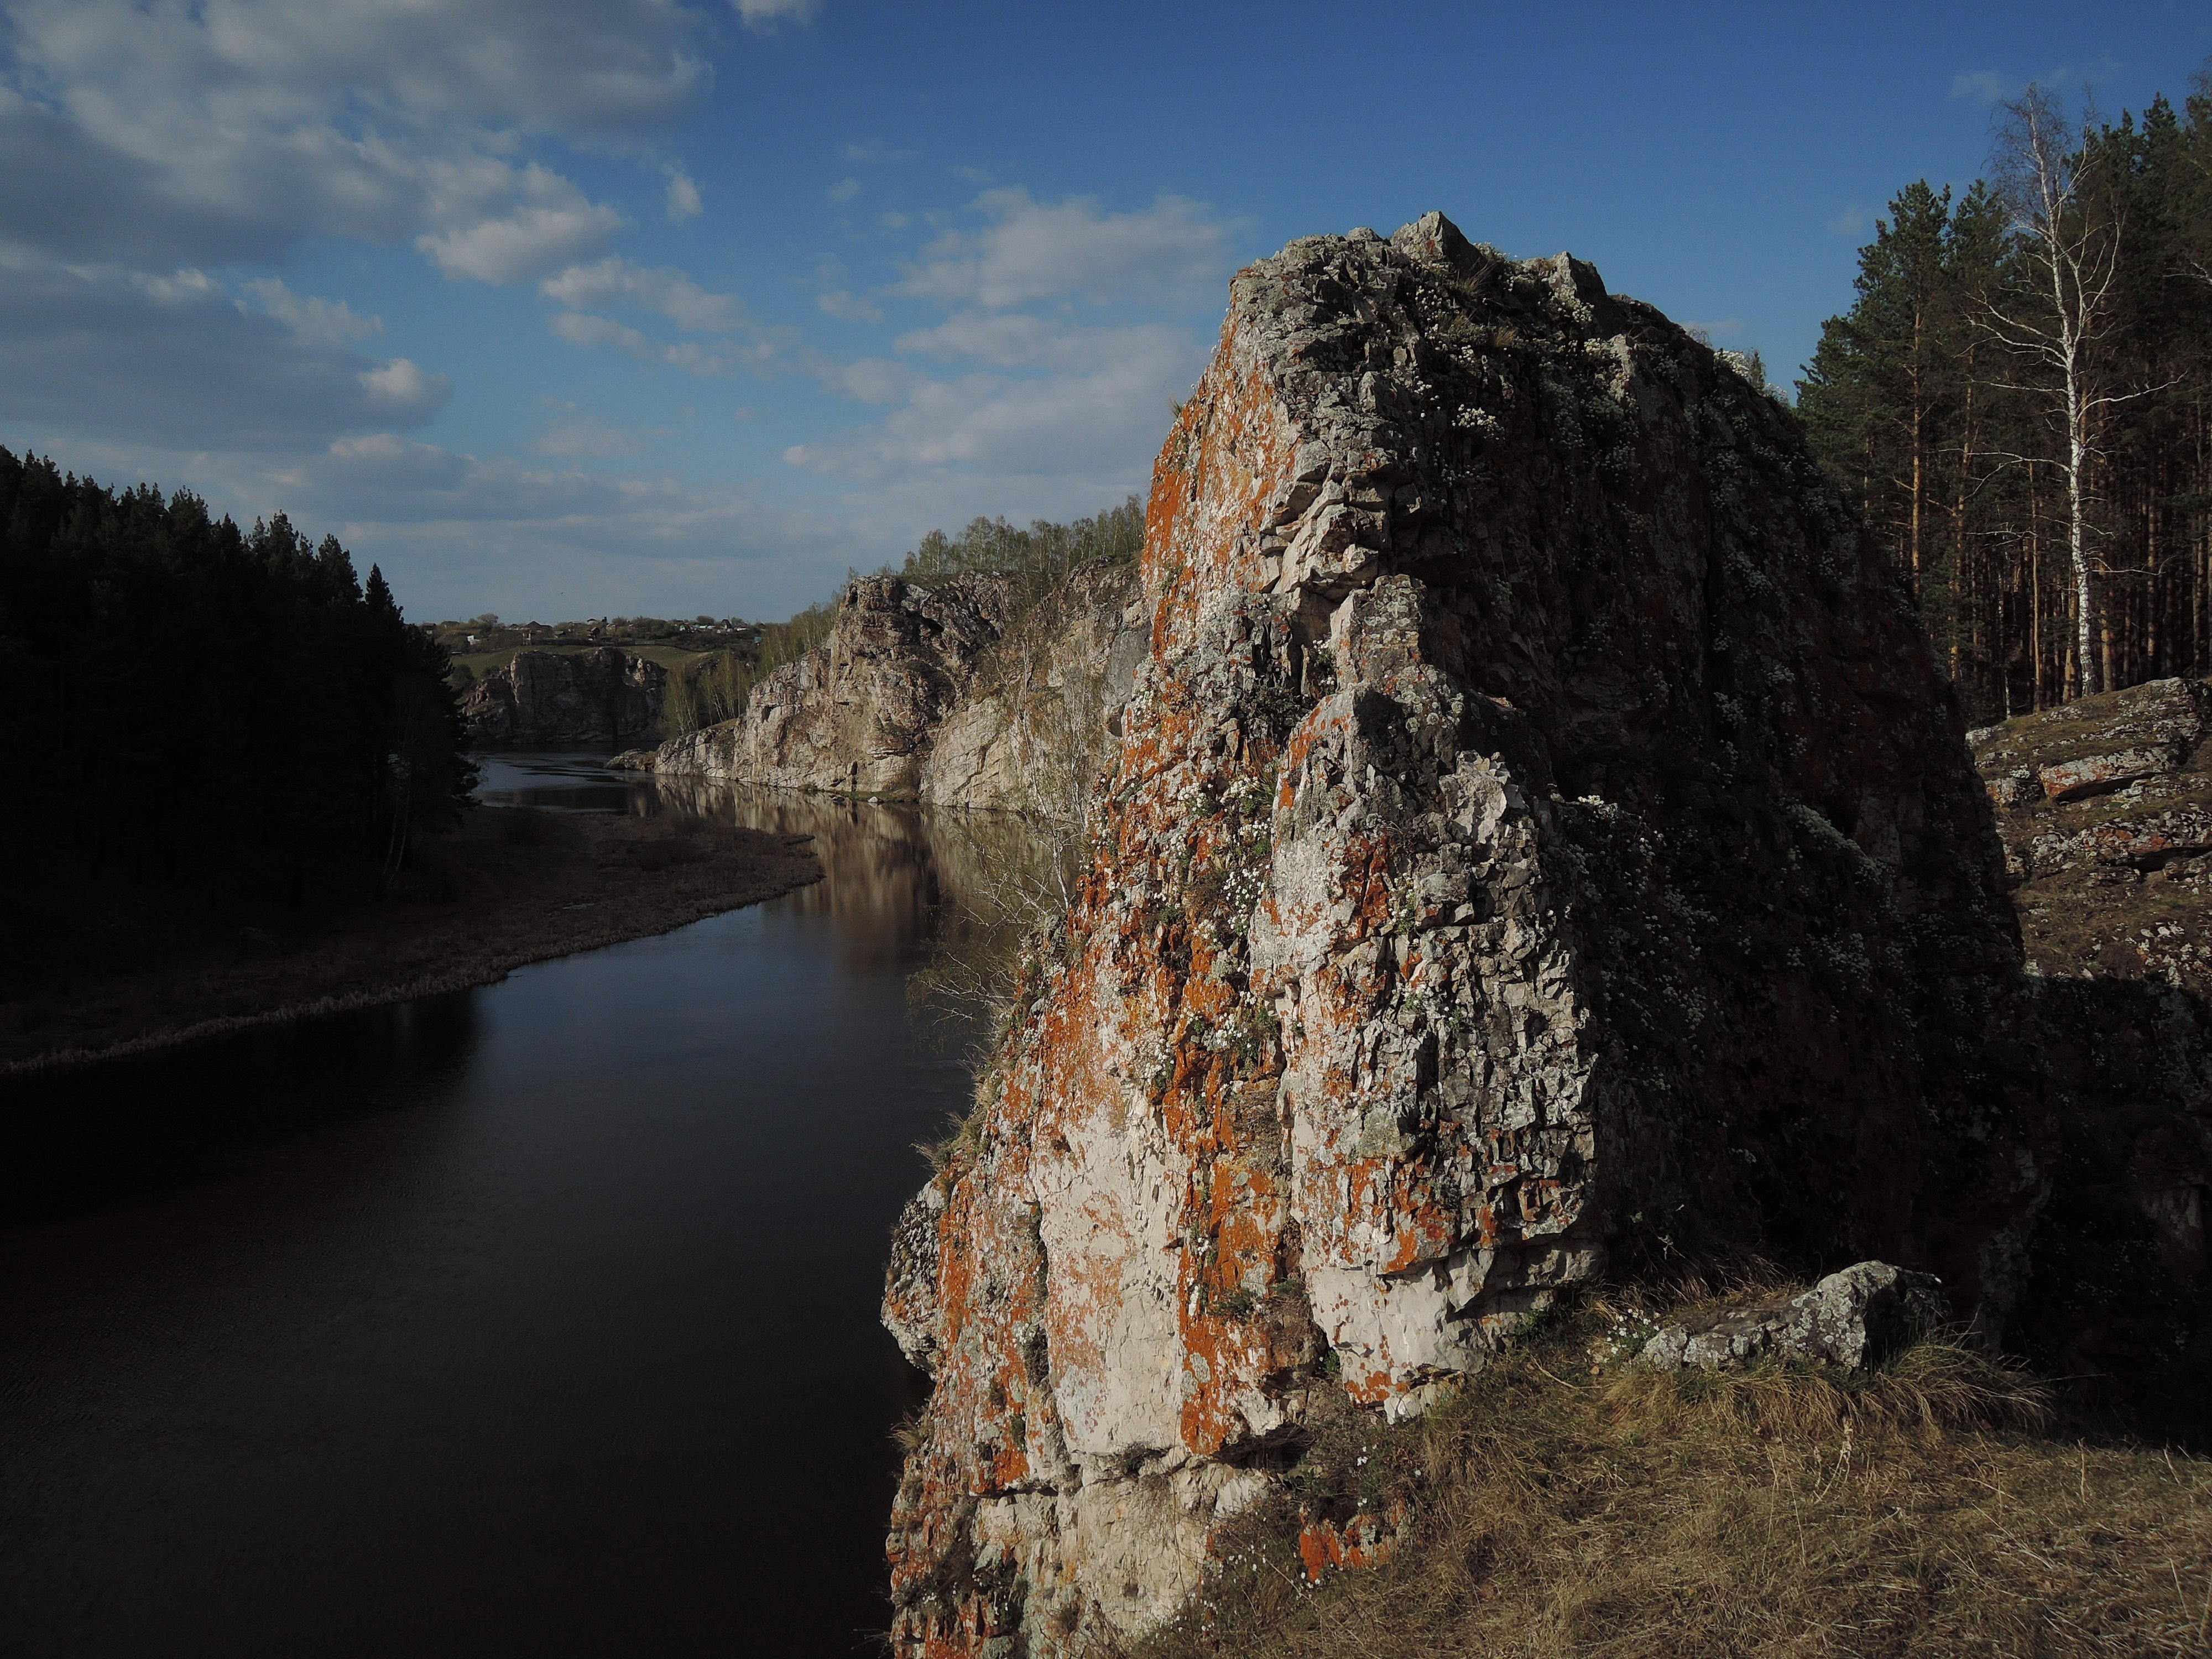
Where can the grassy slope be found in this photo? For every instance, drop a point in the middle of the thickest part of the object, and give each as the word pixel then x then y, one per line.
pixel 1567 1502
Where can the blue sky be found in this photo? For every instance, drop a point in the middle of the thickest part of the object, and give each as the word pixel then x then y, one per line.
pixel 575 307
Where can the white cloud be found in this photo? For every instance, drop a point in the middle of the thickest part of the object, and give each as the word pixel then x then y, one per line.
pixel 850 306
pixel 1036 251
pixel 1016 340
pixel 311 319
pixel 401 389
pixel 1983 87
pixel 1108 419
pixel 1850 221
pixel 666 292
pixel 682 196
pixel 527 240
pixel 583 328
pixel 766 14
pixel 875 152
pixel 844 190
pixel 228 130
pixel 98 354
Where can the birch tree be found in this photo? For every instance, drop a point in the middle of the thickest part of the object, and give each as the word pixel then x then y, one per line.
pixel 2055 321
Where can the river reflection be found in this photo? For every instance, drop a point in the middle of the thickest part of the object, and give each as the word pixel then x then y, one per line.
pixel 533 1320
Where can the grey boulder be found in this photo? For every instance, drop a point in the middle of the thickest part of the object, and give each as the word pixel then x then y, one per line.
pixel 1854 1318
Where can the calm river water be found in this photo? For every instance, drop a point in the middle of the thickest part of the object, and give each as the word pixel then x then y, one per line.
pixel 533 1320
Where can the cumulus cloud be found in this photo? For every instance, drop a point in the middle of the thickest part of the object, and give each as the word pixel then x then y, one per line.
pixel 1104 420
pixel 312 318
pixel 98 353
pixel 682 196
pixel 585 329
pixel 850 306
pixel 231 130
pixel 400 389
pixel 588 292
pixel 1036 250
pixel 523 243
pixel 613 283
pixel 766 14
pixel 1015 340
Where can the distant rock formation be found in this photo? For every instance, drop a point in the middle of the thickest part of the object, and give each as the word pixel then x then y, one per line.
pixel 550 699
pixel 1538 842
pixel 939 693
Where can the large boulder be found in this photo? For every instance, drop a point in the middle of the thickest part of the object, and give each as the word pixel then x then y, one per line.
pixel 1853 1320
pixel 1538 843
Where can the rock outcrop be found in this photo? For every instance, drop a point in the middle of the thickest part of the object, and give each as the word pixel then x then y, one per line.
pixel 1854 1318
pixel 857 712
pixel 1038 723
pixel 1538 839
pixel 2105 806
pixel 945 693
pixel 552 699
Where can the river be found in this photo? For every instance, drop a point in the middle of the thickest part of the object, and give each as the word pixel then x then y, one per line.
pixel 535 1320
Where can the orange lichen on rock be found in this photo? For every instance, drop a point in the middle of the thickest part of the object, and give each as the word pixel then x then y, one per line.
pixel 1536 820
pixel 1364 1539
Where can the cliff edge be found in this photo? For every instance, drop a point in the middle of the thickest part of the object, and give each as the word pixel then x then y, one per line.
pixel 1537 842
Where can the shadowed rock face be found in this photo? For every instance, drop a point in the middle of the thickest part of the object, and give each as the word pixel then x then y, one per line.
pixel 553 697
pixel 1538 839
pixel 2105 806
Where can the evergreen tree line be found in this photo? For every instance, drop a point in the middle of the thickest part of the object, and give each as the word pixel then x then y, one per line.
pixel 1035 561
pixel 2020 401
pixel 193 697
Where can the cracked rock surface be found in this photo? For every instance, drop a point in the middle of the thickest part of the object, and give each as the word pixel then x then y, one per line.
pixel 1537 840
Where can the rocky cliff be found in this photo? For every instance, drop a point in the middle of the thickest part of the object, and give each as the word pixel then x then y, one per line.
pixel 856 712
pixel 550 699
pixel 943 692
pixel 1537 842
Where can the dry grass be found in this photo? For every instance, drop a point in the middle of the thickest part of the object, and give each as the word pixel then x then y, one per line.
pixel 1567 1503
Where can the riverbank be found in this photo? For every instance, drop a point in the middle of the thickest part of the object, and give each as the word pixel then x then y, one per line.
pixel 145 967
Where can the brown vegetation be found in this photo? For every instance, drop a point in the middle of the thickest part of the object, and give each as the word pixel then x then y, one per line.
pixel 1567 1501
pixel 137 965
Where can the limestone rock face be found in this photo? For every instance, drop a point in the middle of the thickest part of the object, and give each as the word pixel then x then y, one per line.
pixel 1853 1319
pixel 552 699
pixel 939 693
pixel 857 713
pixel 1537 838
pixel 1037 725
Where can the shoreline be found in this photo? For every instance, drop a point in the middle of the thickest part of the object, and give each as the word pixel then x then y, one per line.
pixel 526 882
